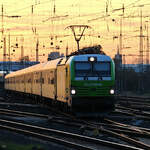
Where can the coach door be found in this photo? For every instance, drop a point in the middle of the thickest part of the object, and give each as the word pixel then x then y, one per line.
pixel 61 83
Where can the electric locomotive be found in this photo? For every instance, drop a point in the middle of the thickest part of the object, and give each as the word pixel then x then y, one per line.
pixel 82 81
pixel 92 80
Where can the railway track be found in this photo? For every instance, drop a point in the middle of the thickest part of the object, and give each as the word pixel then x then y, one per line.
pixel 117 131
pixel 61 137
pixel 139 102
pixel 122 132
pixel 134 112
pixel 135 98
pixel 136 107
pixel 21 114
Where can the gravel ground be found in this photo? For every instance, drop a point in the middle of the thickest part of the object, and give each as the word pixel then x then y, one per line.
pixel 14 141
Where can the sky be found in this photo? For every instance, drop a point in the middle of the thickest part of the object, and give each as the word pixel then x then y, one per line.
pixel 27 21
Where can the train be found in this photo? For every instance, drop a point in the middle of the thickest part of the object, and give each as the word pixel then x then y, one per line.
pixel 84 80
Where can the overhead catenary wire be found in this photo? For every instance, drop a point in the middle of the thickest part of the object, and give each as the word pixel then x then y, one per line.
pixel 111 13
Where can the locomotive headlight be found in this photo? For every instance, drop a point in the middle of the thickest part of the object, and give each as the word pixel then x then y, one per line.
pixel 112 91
pixel 73 91
pixel 92 59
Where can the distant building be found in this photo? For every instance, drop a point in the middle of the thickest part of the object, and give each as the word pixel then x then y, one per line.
pixel 118 60
pixel 136 67
pixel 9 66
pixel 54 55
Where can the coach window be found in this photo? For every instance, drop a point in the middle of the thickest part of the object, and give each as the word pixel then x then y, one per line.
pixel 42 80
pixel 49 81
pixel 36 80
pixel 52 81
pixel 29 80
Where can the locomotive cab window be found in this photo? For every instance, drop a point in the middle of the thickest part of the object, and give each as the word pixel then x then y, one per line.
pixel 102 68
pixel 92 69
pixel 82 68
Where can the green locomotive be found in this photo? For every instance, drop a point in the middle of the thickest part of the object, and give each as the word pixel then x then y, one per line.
pixel 92 79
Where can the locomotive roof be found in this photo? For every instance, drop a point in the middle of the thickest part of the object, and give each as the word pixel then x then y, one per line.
pixel 100 57
pixel 97 49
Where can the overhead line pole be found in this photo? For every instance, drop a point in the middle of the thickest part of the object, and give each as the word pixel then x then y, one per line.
pixel 120 48
pixel 37 50
pixel 9 50
pixel 2 21
pixel 140 81
pixel 3 40
pixel 141 43
pixel 120 39
pixel 147 51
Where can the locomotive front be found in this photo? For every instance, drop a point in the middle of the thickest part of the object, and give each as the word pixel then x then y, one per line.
pixel 92 81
